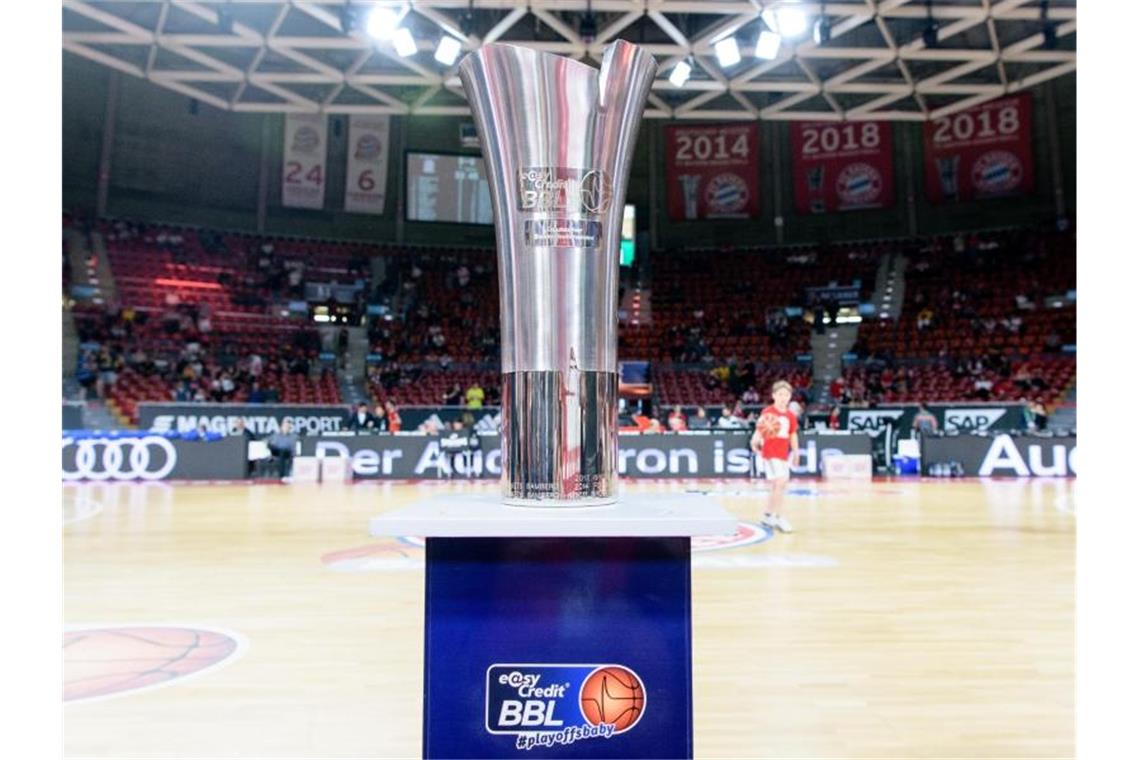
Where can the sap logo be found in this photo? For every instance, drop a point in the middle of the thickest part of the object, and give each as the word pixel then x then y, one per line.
pixel 1004 458
pixel 873 420
pixel 972 420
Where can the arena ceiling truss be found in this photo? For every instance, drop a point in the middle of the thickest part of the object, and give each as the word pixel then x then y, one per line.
pixel 903 60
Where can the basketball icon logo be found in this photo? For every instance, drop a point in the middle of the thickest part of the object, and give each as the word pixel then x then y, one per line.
pixel 613 694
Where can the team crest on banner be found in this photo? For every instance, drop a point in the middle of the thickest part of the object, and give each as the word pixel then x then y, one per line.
pixel 366 178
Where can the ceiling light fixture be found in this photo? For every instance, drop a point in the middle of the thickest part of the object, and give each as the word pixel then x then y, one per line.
pixel 404 42
pixel 383 23
pixel 680 74
pixel 768 45
pixel 448 50
pixel 727 52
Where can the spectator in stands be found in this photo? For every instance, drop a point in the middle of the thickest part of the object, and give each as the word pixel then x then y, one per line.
pixel 86 376
pixel 257 395
pixel 796 408
pixel 728 421
pixel 453 397
pixel 837 388
pixel 110 365
pixel 361 422
pixel 1040 415
pixel 750 396
pixel 924 422
pixel 392 414
pixel 475 396
pixel 677 420
pixel 834 417
pixel 700 420
pixel 983 387
pixel 283 445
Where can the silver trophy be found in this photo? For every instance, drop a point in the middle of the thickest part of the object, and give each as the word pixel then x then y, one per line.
pixel 558 138
pixel 948 176
pixel 690 184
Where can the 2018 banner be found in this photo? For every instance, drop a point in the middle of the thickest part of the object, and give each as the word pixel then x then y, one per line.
pixel 984 152
pixel 304 161
pixel 842 166
pixel 713 171
pixel 366 180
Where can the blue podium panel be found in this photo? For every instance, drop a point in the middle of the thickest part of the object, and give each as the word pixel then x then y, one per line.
pixel 557 647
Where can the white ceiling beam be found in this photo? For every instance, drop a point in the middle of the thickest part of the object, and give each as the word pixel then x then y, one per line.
pixel 699 100
pixel 107 60
pixel 873 105
pixel 1042 76
pixel 855 77
pixel 504 25
pixel 560 27
pixel 613 28
pixel 717 115
pixel 669 28
pixel 960 105
pixel 107 18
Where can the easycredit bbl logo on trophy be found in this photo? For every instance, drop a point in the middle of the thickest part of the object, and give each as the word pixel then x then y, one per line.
pixel 560 188
pixel 549 705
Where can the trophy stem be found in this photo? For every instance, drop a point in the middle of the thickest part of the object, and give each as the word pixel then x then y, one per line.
pixel 560 438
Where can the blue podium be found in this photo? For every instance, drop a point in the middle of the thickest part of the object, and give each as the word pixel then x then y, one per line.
pixel 557 632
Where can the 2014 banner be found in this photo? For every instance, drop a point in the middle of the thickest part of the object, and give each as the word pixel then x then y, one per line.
pixel 842 165
pixel 366 180
pixel 304 161
pixel 713 171
pixel 984 152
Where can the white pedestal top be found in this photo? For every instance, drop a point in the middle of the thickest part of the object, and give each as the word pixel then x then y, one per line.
pixel 485 516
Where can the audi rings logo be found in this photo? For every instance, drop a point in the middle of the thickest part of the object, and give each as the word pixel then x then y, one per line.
pixel 149 458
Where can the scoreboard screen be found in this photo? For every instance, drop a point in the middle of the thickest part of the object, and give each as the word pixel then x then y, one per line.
pixel 444 187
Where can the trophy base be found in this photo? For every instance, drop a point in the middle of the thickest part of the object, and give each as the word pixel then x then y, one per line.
pixel 560 438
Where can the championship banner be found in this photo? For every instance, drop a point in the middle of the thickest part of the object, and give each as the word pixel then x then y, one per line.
pixel 984 152
pixel 842 166
pixel 303 163
pixel 366 179
pixel 713 171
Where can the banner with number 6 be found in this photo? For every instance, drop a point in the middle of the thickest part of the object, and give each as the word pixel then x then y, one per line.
pixel 366 179
pixel 983 152
pixel 303 171
pixel 842 165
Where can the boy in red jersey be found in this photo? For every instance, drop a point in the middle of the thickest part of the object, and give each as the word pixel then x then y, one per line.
pixel 778 444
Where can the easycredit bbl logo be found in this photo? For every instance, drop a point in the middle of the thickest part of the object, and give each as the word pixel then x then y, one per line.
pixel 549 705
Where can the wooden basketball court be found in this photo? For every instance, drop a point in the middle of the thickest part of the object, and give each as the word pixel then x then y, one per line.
pixel 902 619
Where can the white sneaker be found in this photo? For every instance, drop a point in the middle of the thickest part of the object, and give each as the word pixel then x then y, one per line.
pixel 780 524
pixel 768 520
